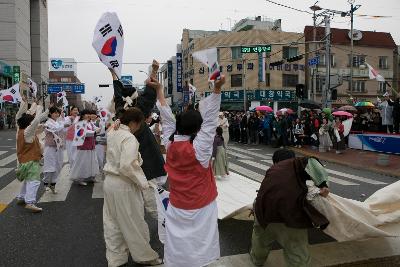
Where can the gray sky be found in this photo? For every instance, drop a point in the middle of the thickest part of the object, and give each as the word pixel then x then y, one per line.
pixel 153 28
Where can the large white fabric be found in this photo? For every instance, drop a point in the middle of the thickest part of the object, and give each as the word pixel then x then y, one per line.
pixel 209 57
pixel 100 152
pixel 202 144
pixel 108 41
pixel 85 165
pixel 71 152
pixel 192 237
pixel 53 159
pixel 124 225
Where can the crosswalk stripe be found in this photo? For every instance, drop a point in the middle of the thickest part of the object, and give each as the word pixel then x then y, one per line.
pixel 250 152
pixel 239 155
pixel 8 193
pixel 63 186
pixel 8 160
pixel 355 177
pixel 98 189
pixel 264 167
pixel 2 152
pixel 254 149
pixel 248 173
pixel 5 171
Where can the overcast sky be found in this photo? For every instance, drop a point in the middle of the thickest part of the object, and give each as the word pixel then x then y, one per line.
pixel 153 28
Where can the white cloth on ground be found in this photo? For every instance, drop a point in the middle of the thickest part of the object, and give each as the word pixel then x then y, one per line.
pixel 124 225
pixel 192 237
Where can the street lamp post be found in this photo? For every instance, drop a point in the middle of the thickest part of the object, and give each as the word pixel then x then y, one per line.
pixel 351 2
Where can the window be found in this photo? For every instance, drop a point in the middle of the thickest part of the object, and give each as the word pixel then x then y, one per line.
pixel 382 87
pixel 322 61
pixel 289 51
pixel 236 52
pixel 320 83
pixel 267 79
pixel 236 80
pixel 383 62
pixel 218 56
pixel 357 60
pixel 65 80
pixel 290 80
pixel 359 86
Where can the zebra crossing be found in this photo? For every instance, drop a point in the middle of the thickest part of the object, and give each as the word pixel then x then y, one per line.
pixel 250 163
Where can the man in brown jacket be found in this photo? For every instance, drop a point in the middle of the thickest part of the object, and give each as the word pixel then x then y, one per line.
pixel 282 212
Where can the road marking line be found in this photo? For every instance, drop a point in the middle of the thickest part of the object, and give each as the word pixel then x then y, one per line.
pixel 2 152
pixel 239 155
pixel 8 160
pixel 5 171
pixel 250 153
pixel 248 173
pixel 355 177
pixel 2 207
pixel 254 149
pixel 98 188
pixel 8 193
pixel 265 167
pixel 63 186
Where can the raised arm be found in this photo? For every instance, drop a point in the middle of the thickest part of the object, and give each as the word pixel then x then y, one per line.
pixel 167 118
pixel 23 108
pixel 209 109
pixel 30 131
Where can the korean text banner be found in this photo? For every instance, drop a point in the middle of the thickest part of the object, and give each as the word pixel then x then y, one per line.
pixel 108 41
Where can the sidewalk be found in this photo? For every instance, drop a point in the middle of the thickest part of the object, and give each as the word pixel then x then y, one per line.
pixel 357 159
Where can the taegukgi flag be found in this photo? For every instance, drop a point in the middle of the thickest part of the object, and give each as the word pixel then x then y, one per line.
pixel 108 41
pixel 209 57
pixel 32 87
pixel 11 95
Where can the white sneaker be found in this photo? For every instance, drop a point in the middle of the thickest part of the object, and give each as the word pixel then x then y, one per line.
pixel 47 188
pixel 53 189
pixel 33 208
pixel 155 262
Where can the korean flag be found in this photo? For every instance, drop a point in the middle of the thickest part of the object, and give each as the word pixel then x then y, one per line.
pixel 108 41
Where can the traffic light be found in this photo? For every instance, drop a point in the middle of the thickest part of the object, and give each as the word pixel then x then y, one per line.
pixel 301 91
pixel 295 58
pixel 334 94
pixel 277 63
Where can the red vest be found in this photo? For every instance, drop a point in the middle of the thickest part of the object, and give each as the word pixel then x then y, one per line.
pixel 191 185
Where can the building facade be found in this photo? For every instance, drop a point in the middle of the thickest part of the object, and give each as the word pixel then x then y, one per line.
pixel 378 49
pixel 64 70
pixel 250 78
pixel 24 42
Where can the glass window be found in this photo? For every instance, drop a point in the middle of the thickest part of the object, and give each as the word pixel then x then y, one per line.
pixel 267 79
pixel 383 62
pixel 359 86
pixel 357 60
pixel 289 51
pixel 290 80
pixel 65 80
pixel 236 52
pixel 236 80
pixel 382 87
pixel 322 61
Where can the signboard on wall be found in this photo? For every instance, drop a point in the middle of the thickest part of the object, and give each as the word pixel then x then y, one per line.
pixel 179 78
pixel 169 73
pixel 63 64
pixel 257 95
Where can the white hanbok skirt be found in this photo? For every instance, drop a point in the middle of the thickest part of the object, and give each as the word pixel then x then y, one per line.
pixel 71 151
pixel 53 159
pixel 192 237
pixel 377 216
pixel 85 165
pixel 100 152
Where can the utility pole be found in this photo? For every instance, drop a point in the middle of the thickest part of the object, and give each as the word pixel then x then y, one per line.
pixel 313 83
pixel 244 85
pixel 351 2
pixel 327 89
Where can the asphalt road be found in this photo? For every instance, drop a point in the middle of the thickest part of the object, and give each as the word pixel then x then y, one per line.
pixel 69 232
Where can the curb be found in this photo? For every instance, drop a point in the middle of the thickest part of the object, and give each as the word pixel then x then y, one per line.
pixel 354 166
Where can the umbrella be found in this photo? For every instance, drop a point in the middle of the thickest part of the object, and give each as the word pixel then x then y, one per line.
pixel 342 113
pixel 364 104
pixel 347 108
pixel 285 110
pixel 264 108
pixel 310 104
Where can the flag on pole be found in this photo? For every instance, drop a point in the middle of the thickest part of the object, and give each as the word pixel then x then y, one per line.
pixel 108 41
pixel 32 87
pixel 97 99
pixel 192 90
pixel 374 74
pixel 62 96
pixel 11 95
pixel 209 57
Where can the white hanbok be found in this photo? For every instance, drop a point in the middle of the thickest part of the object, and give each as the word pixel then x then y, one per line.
pixel 191 236
pixel 377 216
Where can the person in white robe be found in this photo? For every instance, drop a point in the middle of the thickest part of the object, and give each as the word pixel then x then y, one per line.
pixel 224 124
pixel 53 150
pixel 191 237
pixel 71 119
pixel 125 229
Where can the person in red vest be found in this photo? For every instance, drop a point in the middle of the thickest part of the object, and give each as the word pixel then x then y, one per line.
pixel 191 222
